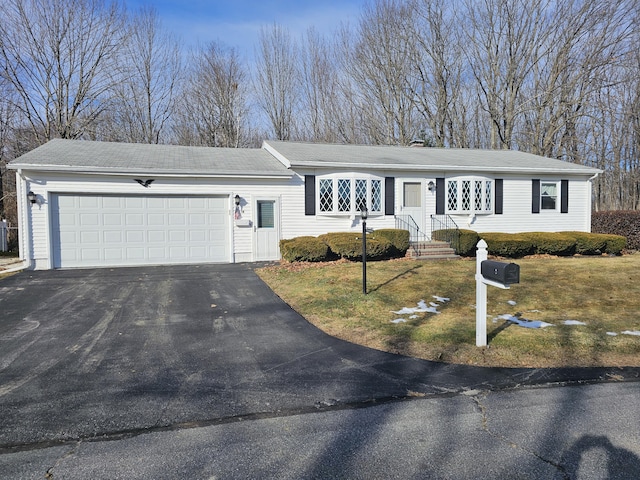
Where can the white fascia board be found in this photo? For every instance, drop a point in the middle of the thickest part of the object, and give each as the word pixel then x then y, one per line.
pixel 440 168
pixel 166 173
pixel 277 155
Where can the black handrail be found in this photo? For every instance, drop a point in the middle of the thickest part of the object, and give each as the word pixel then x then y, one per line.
pixel 406 222
pixel 450 232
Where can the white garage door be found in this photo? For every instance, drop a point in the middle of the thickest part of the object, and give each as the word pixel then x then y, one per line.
pixel 109 230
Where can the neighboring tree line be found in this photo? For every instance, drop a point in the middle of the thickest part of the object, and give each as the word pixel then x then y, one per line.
pixel 558 78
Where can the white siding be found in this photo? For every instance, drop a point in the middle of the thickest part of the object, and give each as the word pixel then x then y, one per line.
pixel 241 237
pixel 517 216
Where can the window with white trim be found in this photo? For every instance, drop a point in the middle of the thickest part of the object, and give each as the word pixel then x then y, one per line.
pixel 548 195
pixel 469 195
pixel 346 194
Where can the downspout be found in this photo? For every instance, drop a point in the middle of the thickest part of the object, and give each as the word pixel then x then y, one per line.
pixel 24 233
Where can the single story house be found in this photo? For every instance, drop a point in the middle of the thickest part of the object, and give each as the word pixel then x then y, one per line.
pixel 97 204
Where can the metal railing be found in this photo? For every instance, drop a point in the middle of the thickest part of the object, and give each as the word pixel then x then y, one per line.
pixel 406 222
pixel 447 230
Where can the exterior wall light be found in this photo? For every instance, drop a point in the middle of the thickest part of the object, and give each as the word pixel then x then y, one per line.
pixel 431 186
pixel 237 200
pixel 32 197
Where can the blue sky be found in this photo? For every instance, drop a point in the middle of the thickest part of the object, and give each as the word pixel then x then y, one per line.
pixel 237 23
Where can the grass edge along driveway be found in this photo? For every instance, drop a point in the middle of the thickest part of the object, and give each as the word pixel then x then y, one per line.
pixel 591 306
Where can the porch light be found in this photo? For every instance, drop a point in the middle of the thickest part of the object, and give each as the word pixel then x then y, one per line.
pixel 237 199
pixel 431 186
pixel 32 197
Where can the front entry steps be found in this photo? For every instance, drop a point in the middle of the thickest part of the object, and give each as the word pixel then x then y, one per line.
pixel 431 250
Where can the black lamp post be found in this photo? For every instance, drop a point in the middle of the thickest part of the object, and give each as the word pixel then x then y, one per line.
pixel 363 215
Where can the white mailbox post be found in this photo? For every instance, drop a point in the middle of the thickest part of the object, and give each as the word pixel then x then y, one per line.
pixel 503 274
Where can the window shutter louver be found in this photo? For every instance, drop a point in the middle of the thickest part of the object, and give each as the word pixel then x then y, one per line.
pixel 309 194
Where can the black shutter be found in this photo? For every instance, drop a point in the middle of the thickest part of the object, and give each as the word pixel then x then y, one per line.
pixel 309 194
pixel 389 196
pixel 564 196
pixel 535 196
pixel 499 194
pixel 440 196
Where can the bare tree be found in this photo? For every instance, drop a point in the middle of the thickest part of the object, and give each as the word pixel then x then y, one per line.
pixel 214 111
pixel 278 80
pixel 58 55
pixel 377 58
pixel 150 69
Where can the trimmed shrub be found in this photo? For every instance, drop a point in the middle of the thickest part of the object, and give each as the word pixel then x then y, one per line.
pixel 349 245
pixel 463 241
pixel 588 243
pixel 511 245
pixel 551 243
pixel 398 238
pixel 620 222
pixel 304 249
pixel 615 244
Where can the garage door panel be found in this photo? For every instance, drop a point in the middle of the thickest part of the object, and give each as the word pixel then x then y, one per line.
pixel 108 230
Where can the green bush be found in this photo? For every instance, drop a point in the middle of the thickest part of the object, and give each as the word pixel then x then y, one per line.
pixel 615 244
pixel 398 238
pixel 588 243
pixel 511 245
pixel 463 241
pixel 349 245
pixel 551 243
pixel 304 249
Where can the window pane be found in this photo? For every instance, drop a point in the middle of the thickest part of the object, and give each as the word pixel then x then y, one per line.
pixel 376 195
pixel 452 195
pixel 548 195
pixel 488 197
pixel 344 195
pixel 412 195
pixel 265 214
pixel 466 195
pixel 477 195
pixel 326 195
pixel 361 194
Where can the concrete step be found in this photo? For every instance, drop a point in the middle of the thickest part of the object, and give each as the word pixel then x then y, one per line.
pixel 431 251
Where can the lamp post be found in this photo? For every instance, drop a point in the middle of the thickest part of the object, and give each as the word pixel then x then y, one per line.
pixel 363 215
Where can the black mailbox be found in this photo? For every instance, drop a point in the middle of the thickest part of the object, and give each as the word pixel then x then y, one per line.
pixel 501 272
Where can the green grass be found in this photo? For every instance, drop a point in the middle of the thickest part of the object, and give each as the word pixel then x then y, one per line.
pixel 603 292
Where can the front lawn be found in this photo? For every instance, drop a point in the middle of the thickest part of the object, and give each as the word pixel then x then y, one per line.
pixel 593 304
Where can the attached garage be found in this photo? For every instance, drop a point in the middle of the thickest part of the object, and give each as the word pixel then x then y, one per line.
pixel 123 230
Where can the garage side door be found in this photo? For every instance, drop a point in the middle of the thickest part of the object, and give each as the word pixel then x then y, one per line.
pixel 107 230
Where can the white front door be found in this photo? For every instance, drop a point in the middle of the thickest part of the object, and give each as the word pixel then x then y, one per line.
pixel 413 202
pixel 267 230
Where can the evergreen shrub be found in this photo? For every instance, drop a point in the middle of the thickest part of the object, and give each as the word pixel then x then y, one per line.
pixel 304 249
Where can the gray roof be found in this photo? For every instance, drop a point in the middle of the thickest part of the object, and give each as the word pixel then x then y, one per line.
pixel 310 155
pixel 133 158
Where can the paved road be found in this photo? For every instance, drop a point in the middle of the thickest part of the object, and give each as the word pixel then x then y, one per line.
pixel 574 432
pixel 110 354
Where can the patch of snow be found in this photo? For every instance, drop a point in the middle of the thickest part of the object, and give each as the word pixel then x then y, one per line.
pixel 573 322
pixel 405 311
pixel 440 299
pixel 525 323
pixel 612 334
pixel 413 316
pixel 631 332
pixel 512 302
pixel 398 320
pixel 434 304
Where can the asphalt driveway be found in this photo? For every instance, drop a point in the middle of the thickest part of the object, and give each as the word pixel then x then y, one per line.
pixel 110 353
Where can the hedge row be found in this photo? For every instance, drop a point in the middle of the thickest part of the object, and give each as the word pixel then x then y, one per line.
pixel 622 222
pixel 516 245
pixel 381 244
